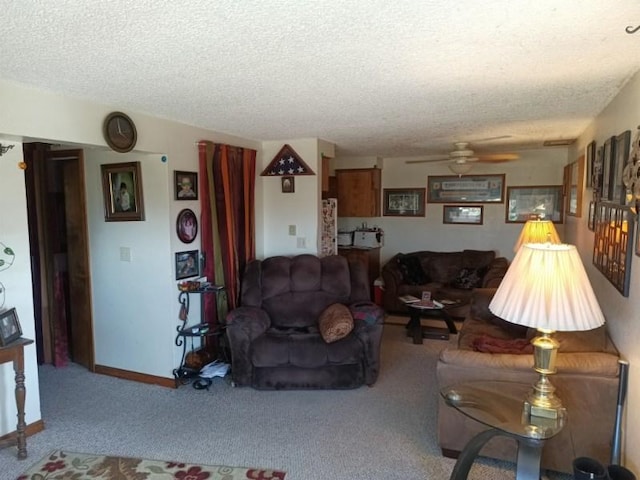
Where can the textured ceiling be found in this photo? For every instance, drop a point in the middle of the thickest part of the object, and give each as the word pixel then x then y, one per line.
pixel 375 77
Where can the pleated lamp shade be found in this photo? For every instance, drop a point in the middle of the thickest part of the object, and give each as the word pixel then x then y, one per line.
pixel 537 231
pixel 546 287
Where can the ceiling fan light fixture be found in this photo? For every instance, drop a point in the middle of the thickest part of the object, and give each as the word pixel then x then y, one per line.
pixel 460 168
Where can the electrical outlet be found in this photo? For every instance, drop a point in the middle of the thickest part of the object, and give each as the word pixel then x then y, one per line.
pixel 301 243
pixel 292 230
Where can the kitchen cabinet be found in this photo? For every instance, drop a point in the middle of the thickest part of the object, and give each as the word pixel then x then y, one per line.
pixel 370 257
pixel 358 192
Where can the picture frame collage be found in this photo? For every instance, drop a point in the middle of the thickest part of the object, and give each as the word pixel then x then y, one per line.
pixel 612 171
pixel 463 198
pixel 187 263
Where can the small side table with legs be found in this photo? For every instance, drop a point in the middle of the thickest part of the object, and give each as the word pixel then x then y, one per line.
pixel 499 405
pixel 14 352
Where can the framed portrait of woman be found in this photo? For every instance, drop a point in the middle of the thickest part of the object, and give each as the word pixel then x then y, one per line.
pixel 122 190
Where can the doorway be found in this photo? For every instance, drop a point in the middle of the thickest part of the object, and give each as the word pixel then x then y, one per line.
pixel 57 218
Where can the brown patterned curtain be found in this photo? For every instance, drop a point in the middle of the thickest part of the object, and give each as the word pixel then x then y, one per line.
pixel 227 192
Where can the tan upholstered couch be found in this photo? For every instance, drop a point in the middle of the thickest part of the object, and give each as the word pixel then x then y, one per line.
pixel 586 382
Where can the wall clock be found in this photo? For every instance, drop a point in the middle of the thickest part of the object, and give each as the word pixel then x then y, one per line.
pixel 120 132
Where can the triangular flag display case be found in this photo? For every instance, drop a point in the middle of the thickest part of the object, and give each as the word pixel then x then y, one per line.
pixel 287 162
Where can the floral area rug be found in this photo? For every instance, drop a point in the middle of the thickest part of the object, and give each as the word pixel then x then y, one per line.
pixel 59 465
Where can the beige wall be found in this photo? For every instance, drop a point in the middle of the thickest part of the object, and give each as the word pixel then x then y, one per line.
pixel 535 167
pixel 135 304
pixel 622 313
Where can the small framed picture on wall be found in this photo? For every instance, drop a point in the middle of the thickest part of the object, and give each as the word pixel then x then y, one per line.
pixel 186 185
pixel 288 184
pixel 187 226
pixel 187 264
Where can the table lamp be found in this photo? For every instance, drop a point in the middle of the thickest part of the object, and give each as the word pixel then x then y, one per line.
pixel 537 231
pixel 546 287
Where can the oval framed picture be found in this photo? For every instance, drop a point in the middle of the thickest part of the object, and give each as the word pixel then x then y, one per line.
pixel 187 225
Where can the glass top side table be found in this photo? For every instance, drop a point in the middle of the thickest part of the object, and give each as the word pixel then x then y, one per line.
pixel 500 406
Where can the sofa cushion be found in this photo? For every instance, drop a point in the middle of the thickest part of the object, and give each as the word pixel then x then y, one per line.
pixel 305 350
pixel 477 258
pixel 335 322
pixel 480 311
pixel 411 269
pixel 571 342
pixel 469 278
pixel 444 266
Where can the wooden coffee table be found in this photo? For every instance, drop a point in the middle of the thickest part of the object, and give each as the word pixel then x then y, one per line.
pixel 439 312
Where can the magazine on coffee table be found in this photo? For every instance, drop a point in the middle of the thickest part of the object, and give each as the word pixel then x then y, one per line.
pixel 409 299
pixel 427 304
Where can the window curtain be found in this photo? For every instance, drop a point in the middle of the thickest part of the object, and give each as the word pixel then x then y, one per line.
pixel 227 193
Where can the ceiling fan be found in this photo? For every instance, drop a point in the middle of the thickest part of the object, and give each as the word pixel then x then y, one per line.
pixel 461 158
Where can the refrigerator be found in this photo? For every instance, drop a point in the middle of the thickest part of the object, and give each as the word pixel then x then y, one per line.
pixel 329 227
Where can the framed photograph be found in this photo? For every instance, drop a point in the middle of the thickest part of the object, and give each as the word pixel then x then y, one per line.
pixel 187 226
pixel 544 201
pixel 122 189
pixel 403 202
pixel 573 187
pixel 590 155
pixel 465 188
pixel 591 221
pixel 620 160
pixel 462 214
pixel 187 264
pixel 288 184
pixel 607 159
pixel 596 173
pixel 9 327
pixel 186 185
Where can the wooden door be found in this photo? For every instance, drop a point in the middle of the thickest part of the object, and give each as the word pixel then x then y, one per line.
pixel 81 334
pixel 58 226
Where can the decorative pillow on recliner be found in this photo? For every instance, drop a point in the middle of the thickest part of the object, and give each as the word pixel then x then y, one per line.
pixel 469 278
pixel 412 271
pixel 335 322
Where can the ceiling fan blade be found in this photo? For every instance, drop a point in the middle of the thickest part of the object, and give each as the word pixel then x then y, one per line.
pixel 442 158
pixel 492 139
pixel 498 157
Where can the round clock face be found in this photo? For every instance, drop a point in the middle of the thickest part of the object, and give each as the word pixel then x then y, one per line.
pixel 120 132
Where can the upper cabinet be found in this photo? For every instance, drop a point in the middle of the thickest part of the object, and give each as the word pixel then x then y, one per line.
pixel 358 192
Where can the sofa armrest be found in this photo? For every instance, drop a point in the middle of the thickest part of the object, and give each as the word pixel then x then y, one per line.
pixel 584 363
pixel 495 273
pixel 368 320
pixel 244 325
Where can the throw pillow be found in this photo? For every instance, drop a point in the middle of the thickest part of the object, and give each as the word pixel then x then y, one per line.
pixel 469 278
pixel 412 272
pixel 335 322
pixel 368 312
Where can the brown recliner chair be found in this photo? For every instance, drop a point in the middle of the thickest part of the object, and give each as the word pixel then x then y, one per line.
pixel 274 337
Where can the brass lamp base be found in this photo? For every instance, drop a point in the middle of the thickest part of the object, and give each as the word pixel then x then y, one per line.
pixel 542 401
